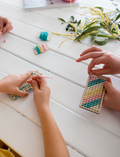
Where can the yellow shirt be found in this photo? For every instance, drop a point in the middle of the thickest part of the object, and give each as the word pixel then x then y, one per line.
pixel 5 153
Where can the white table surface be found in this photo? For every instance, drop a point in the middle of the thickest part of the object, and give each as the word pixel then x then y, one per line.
pixel 85 133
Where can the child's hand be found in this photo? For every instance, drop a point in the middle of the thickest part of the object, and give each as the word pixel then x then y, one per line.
pixel 112 96
pixel 41 92
pixel 111 62
pixel 5 25
pixel 10 84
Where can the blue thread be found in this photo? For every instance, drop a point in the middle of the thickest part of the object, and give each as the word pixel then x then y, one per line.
pixel 37 49
pixel 92 103
pixel 44 36
pixel 24 86
pixel 95 82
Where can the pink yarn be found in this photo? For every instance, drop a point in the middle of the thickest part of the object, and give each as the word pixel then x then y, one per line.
pixel 44 47
pixel 69 0
pixel 91 98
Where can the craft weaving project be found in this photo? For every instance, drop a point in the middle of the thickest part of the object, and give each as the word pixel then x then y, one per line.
pixel 24 86
pixel 41 48
pixel 93 94
pixel 44 36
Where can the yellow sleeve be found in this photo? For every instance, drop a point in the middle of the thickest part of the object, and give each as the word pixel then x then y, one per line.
pixel 5 153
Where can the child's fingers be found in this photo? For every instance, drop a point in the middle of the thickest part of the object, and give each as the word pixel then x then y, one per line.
pixel 9 29
pixel 94 62
pixel 29 81
pixel 1 26
pixel 43 83
pixel 36 77
pixel 25 76
pixel 92 49
pixel 35 85
pixel 90 55
pixel 100 71
pixel 21 93
pixel 109 80
pixel 109 88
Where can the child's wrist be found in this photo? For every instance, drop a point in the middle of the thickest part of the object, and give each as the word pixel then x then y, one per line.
pixel 43 108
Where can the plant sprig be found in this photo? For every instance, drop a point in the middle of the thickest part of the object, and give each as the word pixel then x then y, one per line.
pixel 104 25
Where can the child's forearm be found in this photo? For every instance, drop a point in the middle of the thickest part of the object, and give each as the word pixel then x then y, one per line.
pixel 53 141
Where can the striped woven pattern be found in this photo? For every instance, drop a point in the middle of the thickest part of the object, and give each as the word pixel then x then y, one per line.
pixel 93 94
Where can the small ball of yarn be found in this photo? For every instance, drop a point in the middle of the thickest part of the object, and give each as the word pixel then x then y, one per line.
pixel 44 36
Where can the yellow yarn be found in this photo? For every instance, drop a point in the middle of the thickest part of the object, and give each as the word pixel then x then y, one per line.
pixel 69 35
pixel 74 28
pixel 5 153
pixel 64 41
pixel 94 92
pixel 40 48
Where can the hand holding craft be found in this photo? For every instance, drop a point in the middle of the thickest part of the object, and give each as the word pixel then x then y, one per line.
pixel 11 83
pixel 41 92
pixel 111 62
pixel 112 96
pixel 5 25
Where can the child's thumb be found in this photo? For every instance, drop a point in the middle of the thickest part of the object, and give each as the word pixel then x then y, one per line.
pixel 35 85
pixel 108 87
pixel 21 93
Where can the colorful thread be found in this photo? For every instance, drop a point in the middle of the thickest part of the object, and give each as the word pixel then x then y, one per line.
pixel 93 94
pixel 41 48
pixel 44 36
pixel 44 47
pixel 37 49
pixel 24 86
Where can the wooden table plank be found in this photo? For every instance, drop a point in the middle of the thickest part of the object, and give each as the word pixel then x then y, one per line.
pixel 22 135
pixel 80 138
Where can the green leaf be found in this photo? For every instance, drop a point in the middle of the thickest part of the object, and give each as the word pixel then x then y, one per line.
pixel 89 25
pixel 113 14
pixel 117 17
pixel 99 8
pixel 102 24
pixel 102 42
pixel 79 22
pixel 61 19
pixel 94 39
pixel 119 26
pixel 72 18
pixel 89 30
pixel 114 31
pixel 102 35
pixel 117 10
pixel 110 25
pixel 68 26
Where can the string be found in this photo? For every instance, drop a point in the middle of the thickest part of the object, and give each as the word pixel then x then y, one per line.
pixel 37 49
pixel 44 36
pixel 41 48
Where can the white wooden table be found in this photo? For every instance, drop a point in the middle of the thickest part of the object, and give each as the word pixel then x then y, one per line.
pixel 85 133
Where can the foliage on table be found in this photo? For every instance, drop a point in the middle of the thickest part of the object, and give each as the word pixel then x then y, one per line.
pixel 103 25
